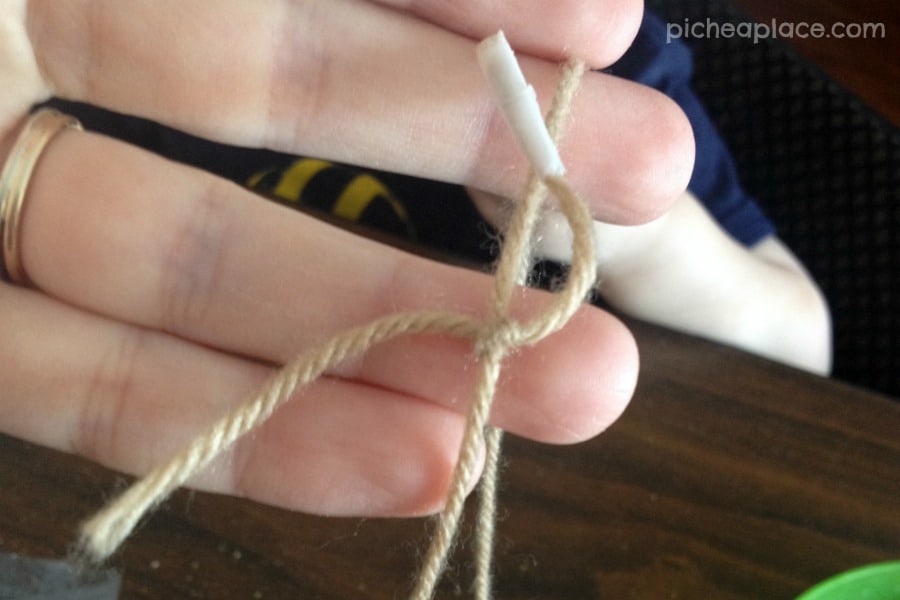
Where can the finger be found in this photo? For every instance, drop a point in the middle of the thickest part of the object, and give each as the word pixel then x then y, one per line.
pixel 129 398
pixel 356 82
pixel 124 233
pixel 20 79
pixel 598 32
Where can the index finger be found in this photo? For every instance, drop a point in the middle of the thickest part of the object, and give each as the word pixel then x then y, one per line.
pixel 354 82
pixel 598 32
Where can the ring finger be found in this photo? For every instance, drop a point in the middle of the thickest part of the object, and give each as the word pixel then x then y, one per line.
pixel 124 233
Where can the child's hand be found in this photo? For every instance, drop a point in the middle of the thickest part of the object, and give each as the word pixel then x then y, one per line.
pixel 683 271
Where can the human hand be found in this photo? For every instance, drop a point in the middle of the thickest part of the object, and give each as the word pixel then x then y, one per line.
pixel 163 295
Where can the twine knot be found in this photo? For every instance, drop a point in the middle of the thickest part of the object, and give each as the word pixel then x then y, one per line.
pixel 499 336
pixel 492 339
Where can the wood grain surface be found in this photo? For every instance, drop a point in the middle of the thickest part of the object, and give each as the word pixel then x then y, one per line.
pixel 728 477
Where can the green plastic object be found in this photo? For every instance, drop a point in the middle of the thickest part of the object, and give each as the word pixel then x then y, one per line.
pixel 873 582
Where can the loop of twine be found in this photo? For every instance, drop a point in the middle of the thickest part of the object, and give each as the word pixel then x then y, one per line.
pixel 494 338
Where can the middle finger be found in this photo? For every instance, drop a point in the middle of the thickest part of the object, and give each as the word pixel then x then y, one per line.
pixel 359 83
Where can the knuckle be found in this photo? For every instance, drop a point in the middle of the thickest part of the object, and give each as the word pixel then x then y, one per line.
pixel 191 261
pixel 109 391
pixel 300 78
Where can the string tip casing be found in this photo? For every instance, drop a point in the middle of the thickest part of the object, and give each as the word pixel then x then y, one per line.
pixel 518 102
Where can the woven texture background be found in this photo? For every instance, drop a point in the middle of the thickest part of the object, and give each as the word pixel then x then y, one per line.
pixel 826 170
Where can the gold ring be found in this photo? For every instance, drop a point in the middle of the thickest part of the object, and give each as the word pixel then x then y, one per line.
pixel 40 128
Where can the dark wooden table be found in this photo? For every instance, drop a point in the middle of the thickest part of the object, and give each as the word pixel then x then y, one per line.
pixel 728 477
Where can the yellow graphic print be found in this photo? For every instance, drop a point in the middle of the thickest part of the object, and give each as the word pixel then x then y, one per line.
pixel 363 192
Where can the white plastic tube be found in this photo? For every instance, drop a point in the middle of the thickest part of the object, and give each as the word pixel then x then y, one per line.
pixel 519 104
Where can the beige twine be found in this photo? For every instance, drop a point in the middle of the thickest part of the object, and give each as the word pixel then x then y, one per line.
pixel 494 338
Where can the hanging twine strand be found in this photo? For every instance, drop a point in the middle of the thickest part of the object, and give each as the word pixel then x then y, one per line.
pixel 487 508
pixel 493 338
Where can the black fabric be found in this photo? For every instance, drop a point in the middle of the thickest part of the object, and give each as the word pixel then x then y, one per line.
pixel 441 214
pixel 827 171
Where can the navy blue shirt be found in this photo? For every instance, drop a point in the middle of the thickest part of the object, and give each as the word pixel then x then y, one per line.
pixel 668 67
